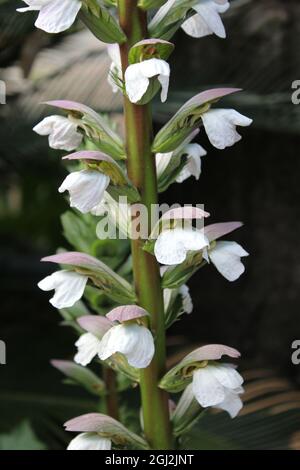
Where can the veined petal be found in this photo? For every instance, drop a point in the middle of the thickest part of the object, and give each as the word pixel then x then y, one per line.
pixel 232 403
pixel 226 256
pixel 227 375
pixel 134 341
pixel 172 246
pixel 89 441
pixel 137 78
pixel 207 389
pixel 207 19
pixel 62 133
pixel 58 15
pixel 194 153
pixel 88 347
pixel 86 188
pixel 220 126
pixel 69 287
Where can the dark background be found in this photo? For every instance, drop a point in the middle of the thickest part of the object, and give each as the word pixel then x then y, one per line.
pixel 256 181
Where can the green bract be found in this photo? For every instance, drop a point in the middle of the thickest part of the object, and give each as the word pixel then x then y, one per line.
pixel 94 126
pixel 170 17
pixel 106 427
pixel 120 185
pixel 179 274
pixel 187 119
pixel 149 49
pixel 148 4
pixel 181 375
pixel 113 285
pixel 101 23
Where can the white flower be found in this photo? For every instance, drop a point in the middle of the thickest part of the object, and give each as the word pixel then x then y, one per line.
pixel 219 386
pixel 137 78
pixel 171 294
pixel 220 126
pixel 132 340
pixel 54 15
pixel 62 133
pixel 193 153
pixel 207 19
pixel 89 441
pixel 187 302
pixel 88 347
pixel 115 67
pixel 226 256
pixel 172 246
pixel 86 188
pixel 69 287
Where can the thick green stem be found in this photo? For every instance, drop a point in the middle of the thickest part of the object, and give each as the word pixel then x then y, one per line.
pixel 142 172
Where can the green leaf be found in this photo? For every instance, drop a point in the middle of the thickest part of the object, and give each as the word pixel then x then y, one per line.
pixel 101 23
pixel 79 230
pixel 80 375
pixel 21 437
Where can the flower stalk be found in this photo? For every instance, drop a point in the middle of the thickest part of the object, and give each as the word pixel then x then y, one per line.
pixel 111 397
pixel 142 172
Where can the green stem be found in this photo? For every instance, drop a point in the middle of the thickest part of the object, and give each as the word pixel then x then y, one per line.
pixel 142 172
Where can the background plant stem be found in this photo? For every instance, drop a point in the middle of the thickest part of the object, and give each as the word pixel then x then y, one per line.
pixel 142 172
pixel 111 398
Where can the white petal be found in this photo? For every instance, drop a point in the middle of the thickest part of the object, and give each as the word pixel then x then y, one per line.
pixel 115 67
pixel 207 389
pixel 172 246
pixel 114 53
pixel 227 375
pixel 186 298
pixel 86 188
pixel 226 256
pixel 220 126
pixel 196 27
pixel 137 78
pixel 232 403
pixel 194 153
pixel 207 20
pixel 134 341
pixel 88 347
pixel 162 162
pixel 62 133
pixel 89 441
pixel 34 5
pixel 58 15
pixel 69 287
